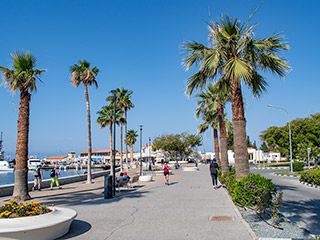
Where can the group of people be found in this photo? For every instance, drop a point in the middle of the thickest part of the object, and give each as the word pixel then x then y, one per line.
pixel 123 176
pixel 213 172
pixel 54 174
pixel 38 177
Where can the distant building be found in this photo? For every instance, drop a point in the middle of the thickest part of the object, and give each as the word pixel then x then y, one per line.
pixel 256 155
pixel 272 156
pixel 56 159
pixel 102 156
pixel 146 153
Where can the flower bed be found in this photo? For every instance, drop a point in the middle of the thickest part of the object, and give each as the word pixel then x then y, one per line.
pixel 50 225
pixel 15 210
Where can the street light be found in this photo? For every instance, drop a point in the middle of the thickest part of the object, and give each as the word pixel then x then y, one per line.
pixel 141 150
pixel 291 167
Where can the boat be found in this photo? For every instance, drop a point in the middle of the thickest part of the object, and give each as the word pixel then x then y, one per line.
pixel 33 162
pixel 4 165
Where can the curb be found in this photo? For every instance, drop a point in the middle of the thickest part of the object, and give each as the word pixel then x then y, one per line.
pixel 247 226
pixel 271 168
pixel 284 175
pixel 310 185
pixel 293 176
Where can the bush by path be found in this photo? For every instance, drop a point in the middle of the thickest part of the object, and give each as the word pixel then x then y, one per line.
pixel 311 176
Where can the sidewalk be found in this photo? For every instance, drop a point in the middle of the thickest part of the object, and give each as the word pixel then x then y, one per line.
pixel 154 211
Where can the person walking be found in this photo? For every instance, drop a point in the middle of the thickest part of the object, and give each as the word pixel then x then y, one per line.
pixel 214 173
pixel 37 176
pixel 166 173
pixel 54 174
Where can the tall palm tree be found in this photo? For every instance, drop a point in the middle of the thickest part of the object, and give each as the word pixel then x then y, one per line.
pixel 210 120
pixel 106 118
pixel 234 54
pixel 124 102
pixel 213 99
pixel 22 77
pixel 82 73
pixel 131 140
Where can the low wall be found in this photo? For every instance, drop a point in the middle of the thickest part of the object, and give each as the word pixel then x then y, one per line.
pixel 7 190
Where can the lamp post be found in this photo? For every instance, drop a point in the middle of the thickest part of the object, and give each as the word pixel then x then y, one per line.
pixel 141 149
pixel 291 167
pixel 114 145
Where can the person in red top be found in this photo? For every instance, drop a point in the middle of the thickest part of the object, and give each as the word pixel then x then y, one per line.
pixel 166 173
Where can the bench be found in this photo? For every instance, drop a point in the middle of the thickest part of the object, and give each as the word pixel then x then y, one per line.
pixel 122 183
pixel 135 179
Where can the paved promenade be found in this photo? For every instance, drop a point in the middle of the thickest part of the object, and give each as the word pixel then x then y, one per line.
pixel 150 211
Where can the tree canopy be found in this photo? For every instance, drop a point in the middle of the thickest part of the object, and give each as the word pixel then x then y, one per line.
pixel 305 133
pixel 177 146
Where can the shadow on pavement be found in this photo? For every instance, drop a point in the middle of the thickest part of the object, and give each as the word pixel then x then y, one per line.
pixel 88 196
pixel 297 211
pixel 284 187
pixel 77 228
pixel 172 183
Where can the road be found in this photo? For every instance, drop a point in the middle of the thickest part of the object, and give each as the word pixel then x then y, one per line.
pixel 301 203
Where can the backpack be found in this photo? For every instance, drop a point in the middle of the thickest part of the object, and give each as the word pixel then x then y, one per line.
pixel 36 173
pixel 213 168
pixel 52 173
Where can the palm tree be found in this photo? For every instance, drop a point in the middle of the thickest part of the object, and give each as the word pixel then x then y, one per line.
pixel 123 101
pixel 210 120
pixel 107 118
pixel 131 140
pixel 83 74
pixel 22 77
pixel 234 54
pixel 214 99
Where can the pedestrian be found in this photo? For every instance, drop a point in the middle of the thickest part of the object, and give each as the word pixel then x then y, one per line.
pixel 166 173
pixel 37 176
pixel 54 174
pixel 214 173
pixel 150 165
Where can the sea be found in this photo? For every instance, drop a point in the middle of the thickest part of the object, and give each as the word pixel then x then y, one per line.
pixel 8 177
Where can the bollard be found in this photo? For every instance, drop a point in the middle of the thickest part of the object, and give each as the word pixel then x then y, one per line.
pixel 107 187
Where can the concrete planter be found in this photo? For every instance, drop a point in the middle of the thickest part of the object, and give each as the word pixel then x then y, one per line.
pixel 190 169
pixel 46 226
pixel 145 178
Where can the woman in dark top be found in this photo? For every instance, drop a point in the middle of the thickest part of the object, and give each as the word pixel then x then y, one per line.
pixel 214 173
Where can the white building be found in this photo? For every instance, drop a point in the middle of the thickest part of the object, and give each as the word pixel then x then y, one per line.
pixel 256 155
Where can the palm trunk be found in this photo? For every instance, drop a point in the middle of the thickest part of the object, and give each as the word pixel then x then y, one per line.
pixel 20 191
pixel 239 131
pixel 223 141
pixel 131 151
pixel 89 134
pixel 121 146
pixel 111 151
pixel 125 129
pixel 216 144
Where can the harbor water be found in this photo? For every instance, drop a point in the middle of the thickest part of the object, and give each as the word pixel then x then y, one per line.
pixel 7 177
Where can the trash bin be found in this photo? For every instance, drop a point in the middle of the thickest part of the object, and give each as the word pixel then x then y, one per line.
pixel 107 187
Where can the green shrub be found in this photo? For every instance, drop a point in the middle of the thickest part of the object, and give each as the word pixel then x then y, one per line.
pixel 311 176
pixel 229 180
pixel 249 189
pixel 298 166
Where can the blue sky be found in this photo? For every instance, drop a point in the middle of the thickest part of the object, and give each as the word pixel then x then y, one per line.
pixel 136 45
